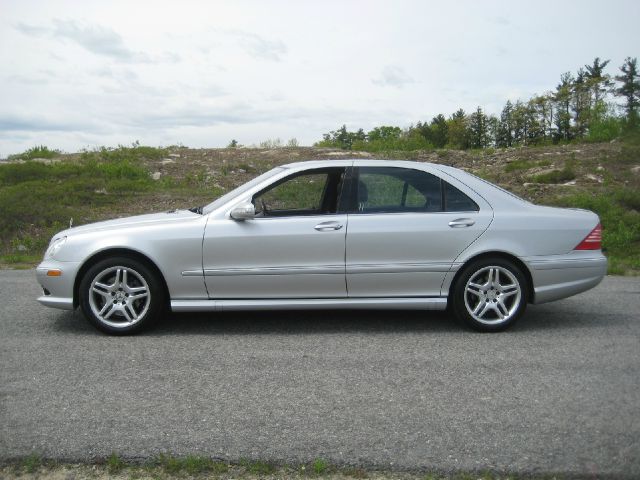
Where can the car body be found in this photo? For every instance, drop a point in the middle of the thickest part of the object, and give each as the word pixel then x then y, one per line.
pixel 331 234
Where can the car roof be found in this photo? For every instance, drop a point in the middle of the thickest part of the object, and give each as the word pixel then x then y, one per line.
pixel 355 162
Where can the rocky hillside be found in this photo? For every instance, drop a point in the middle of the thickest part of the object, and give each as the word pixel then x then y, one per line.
pixel 130 180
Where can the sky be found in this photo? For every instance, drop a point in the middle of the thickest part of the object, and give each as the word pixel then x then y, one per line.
pixel 81 74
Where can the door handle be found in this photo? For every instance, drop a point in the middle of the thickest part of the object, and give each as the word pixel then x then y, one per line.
pixel 326 226
pixel 461 222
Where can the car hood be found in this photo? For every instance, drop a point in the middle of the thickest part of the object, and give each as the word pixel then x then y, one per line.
pixel 135 221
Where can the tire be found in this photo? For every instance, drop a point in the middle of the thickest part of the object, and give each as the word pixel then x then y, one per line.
pixel 490 295
pixel 121 296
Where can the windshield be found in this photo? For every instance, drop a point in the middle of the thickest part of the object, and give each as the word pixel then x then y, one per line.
pixel 240 190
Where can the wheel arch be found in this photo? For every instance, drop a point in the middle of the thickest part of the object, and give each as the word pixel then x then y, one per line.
pixel 497 254
pixel 111 252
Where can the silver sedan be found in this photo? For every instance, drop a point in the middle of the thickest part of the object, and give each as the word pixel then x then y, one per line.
pixel 348 234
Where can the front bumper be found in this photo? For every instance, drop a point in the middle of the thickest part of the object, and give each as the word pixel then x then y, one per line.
pixel 57 291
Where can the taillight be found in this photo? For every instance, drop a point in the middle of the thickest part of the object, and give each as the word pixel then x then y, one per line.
pixel 593 241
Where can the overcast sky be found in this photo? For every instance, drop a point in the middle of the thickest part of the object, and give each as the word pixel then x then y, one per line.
pixel 78 74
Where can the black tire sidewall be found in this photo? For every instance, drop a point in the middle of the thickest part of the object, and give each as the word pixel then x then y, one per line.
pixel 459 308
pixel 155 289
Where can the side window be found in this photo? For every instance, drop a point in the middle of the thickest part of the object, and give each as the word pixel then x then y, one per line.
pixel 456 201
pixel 309 193
pixel 392 189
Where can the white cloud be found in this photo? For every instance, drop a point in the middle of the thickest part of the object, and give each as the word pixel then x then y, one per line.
pixel 393 76
pixel 258 46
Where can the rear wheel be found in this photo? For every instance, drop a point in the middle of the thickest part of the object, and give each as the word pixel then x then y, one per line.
pixel 490 294
pixel 121 295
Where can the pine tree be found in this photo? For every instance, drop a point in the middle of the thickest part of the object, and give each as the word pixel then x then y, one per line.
pixel 630 90
pixel 581 103
pixel 439 131
pixel 599 82
pixel 457 129
pixel 478 129
pixel 562 98
pixel 504 135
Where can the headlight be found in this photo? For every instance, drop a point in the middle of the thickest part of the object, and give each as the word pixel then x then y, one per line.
pixel 55 246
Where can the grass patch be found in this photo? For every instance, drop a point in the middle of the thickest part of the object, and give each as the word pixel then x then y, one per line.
pixel 39 199
pixel 320 466
pixel 39 151
pixel 31 463
pixel 556 176
pixel 519 165
pixel 115 464
pixel 258 467
pixel 168 467
pixel 191 464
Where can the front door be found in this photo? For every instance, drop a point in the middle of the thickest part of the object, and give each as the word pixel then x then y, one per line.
pixel 293 248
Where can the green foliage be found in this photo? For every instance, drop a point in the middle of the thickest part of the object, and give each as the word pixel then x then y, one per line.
pixel 605 129
pixel 518 165
pixel 258 467
pixel 115 464
pixel 380 139
pixel 320 466
pixel 39 196
pixel 31 463
pixel 630 90
pixel 556 176
pixel 39 151
pixel 191 464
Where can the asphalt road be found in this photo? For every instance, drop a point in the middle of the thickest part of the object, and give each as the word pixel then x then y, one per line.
pixel 560 392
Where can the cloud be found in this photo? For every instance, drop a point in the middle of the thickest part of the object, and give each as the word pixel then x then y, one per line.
pixel 502 21
pixel 32 30
pixel 393 76
pixel 97 39
pixel 258 46
pixel 22 123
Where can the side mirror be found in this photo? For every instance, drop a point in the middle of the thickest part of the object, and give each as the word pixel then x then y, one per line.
pixel 244 211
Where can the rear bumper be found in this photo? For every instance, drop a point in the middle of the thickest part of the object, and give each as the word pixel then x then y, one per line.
pixel 560 276
pixel 57 291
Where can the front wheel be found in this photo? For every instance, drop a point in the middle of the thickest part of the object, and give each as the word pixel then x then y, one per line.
pixel 121 295
pixel 490 295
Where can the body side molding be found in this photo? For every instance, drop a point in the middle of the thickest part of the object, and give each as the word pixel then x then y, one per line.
pixel 400 303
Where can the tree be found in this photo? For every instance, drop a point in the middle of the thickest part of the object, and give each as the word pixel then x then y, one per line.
pixel 478 129
pixel 630 90
pixel 457 128
pixel 535 122
pixel 504 135
pixel 562 98
pixel 581 104
pixel 598 81
pixel 439 131
pixel 233 143
pixel 521 120
pixel 384 133
pixel 541 111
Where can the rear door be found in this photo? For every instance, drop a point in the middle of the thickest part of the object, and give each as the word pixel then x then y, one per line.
pixel 406 227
